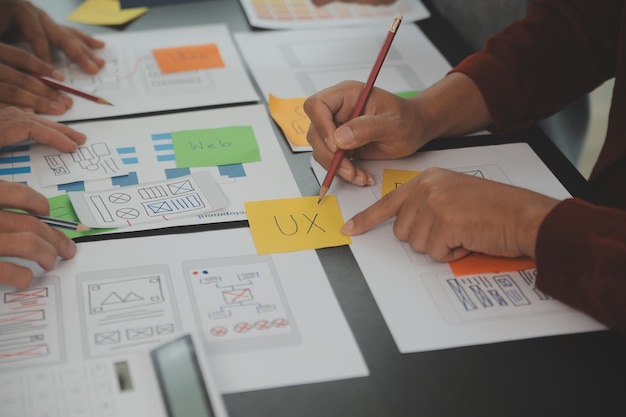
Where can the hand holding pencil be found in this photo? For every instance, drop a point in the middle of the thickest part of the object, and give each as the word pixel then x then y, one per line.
pixel 360 104
pixel 25 237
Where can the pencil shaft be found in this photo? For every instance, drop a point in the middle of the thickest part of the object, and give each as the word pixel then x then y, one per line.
pixel 365 92
pixel 68 89
pixel 59 223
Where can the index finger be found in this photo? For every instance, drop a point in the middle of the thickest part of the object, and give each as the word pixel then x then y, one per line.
pixel 18 58
pixel 383 209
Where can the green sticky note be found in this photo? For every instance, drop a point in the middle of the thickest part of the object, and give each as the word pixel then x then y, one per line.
pixel 212 147
pixel 61 208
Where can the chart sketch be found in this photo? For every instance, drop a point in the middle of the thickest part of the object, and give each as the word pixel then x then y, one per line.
pixel 89 162
pixel 488 296
pixel 194 194
pixel 30 325
pixel 239 303
pixel 126 309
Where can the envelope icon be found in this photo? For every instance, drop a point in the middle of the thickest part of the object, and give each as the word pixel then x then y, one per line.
pixel 164 328
pixel 159 207
pixel 139 333
pixel 33 293
pixel 237 296
pixel 180 187
pixel 36 351
pixel 107 338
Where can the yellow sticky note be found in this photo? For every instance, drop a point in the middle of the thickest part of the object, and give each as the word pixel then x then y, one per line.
pixel 289 114
pixel 188 58
pixel 293 224
pixel 394 178
pixel 104 12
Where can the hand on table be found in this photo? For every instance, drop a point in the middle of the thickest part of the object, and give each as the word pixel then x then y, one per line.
pixel 18 125
pixel 26 237
pixel 21 20
pixel 447 215
pixel 19 88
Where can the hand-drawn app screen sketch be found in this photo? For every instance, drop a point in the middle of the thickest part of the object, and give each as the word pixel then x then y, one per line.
pixel 239 303
pixel 30 325
pixel 135 80
pixel 163 200
pixel 91 161
pixel 126 310
pixel 487 296
pixel 113 81
pixel 116 79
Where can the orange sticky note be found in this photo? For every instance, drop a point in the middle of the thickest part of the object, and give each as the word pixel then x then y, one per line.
pixel 188 58
pixel 289 114
pixel 478 263
pixel 394 178
pixel 293 224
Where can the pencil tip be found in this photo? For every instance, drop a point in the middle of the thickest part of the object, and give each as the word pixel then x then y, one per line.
pixel 82 228
pixel 323 192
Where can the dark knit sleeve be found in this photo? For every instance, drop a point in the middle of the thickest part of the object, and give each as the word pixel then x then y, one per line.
pixel 581 259
pixel 560 51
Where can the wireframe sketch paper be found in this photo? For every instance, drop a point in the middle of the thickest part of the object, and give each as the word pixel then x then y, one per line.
pixel 263 321
pixel 302 14
pixel 91 161
pixel 296 64
pixel 145 146
pixel 134 82
pixel 158 201
pixel 425 305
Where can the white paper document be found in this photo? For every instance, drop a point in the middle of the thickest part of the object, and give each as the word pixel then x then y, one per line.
pixel 133 81
pixel 263 321
pixel 191 195
pixel 145 147
pixel 425 306
pixel 301 14
pixel 91 161
pixel 300 63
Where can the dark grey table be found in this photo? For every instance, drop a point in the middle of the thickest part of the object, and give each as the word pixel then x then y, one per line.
pixel 572 375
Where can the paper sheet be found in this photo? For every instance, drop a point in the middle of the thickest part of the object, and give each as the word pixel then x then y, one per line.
pixel 91 161
pixel 296 64
pixel 145 146
pixel 134 83
pixel 264 321
pixel 162 201
pixel 425 306
pixel 301 14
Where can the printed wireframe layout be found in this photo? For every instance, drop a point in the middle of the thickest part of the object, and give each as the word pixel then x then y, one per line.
pixel 115 79
pixel 127 310
pixel 239 303
pixel 487 296
pixel 30 325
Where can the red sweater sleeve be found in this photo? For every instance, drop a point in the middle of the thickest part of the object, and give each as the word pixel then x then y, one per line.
pixel 581 253
pixel 560 51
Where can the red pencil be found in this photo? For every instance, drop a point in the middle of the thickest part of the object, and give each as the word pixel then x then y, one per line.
pixel 51 82
pixel 367 88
